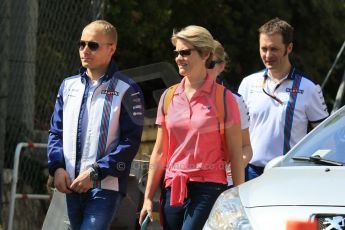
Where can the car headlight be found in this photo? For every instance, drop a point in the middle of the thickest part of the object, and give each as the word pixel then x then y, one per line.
pixel 228 213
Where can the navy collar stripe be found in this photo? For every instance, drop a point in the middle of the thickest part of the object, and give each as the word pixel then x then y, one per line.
pixel 290 112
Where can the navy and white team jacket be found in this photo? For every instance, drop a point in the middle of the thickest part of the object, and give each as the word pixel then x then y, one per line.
pixel 111 133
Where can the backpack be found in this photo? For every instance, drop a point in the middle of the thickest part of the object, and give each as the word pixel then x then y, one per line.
pixel 220 108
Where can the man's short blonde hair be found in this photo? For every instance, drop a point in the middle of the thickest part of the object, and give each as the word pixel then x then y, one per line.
pixel 106 27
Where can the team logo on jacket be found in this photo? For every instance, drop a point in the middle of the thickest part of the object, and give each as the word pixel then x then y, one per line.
pixel 137 107
pixel 110 92
pixel 294 90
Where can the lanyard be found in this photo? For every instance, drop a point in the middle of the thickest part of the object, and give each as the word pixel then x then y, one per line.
pixel 273 96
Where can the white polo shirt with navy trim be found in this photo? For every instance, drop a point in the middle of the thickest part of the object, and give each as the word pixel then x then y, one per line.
pixel 274 127
pixel 244 114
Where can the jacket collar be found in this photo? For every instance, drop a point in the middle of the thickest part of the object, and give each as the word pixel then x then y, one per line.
pixel 112 69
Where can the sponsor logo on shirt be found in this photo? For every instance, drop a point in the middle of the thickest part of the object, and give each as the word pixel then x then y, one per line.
pixel 294 90
pixel 110 92
pixel 137 107
pixel 137 113
pixel 134 94
pixel 256 89
pixel 208 107
pixel 72 92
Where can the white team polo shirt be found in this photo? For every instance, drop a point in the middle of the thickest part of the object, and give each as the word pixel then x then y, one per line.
pixel 244 114
pixel 274 128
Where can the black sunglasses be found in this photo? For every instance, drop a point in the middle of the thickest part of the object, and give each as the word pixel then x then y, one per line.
pixel 214 63
pixel 183 53
pixel 93 46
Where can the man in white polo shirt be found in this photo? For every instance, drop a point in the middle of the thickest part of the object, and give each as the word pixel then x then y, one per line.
pixel 281 100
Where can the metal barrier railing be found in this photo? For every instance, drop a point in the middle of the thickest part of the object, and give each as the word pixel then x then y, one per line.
pixel 13 194
pixel 139 170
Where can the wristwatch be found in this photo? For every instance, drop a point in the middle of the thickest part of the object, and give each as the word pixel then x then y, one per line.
pixel 94 176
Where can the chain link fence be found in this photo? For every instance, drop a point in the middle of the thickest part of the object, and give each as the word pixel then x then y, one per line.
pixel 38 48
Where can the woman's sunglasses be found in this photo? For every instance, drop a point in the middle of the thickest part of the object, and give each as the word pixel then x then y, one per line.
pixel 214 63
pixel 93 46
pixel 183 53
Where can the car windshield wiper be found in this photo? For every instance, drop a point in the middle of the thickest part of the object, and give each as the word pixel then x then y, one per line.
pixel 317 160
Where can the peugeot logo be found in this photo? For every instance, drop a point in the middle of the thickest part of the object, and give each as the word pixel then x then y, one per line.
pixel 334 223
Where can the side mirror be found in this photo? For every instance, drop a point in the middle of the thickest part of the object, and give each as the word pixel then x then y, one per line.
pixel 272 163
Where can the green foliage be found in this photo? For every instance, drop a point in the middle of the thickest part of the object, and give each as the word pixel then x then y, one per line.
pixel 145 28
pixel 143 31
pixel 59 26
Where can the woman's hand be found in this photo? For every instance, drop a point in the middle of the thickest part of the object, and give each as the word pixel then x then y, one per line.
pixel 147 209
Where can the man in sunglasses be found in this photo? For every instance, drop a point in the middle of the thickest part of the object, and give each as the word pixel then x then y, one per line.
pixel 281 100
pixel 95 131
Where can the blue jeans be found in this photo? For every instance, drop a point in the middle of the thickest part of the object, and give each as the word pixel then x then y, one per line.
pixel 196 208
pixel 93 210
pixel 253 171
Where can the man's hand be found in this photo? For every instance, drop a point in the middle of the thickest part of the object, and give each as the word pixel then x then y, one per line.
pixel 82 183
pixel 50 186
pixel 62 181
